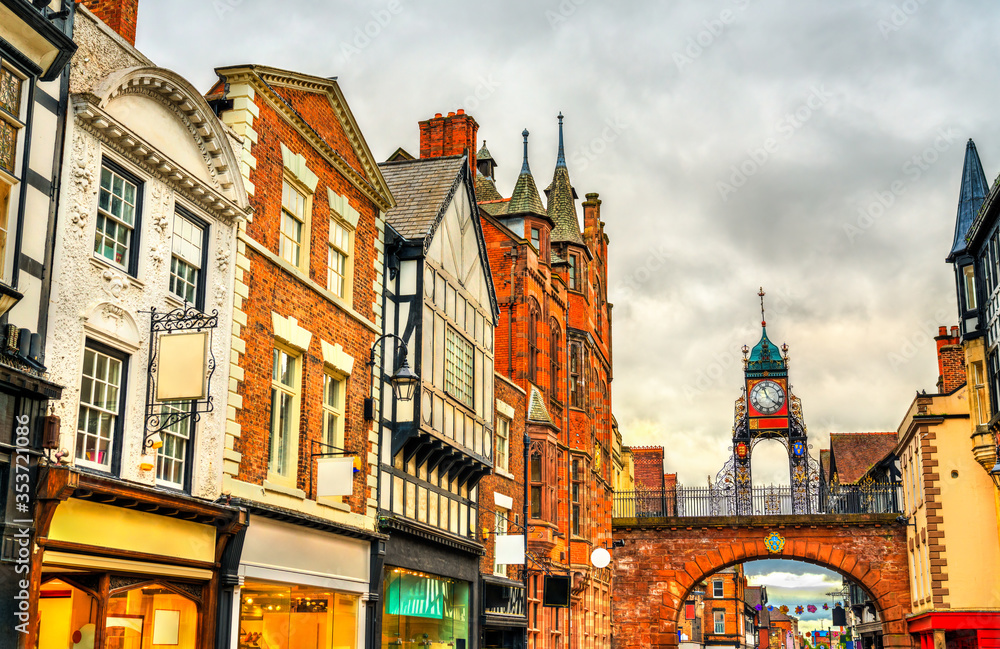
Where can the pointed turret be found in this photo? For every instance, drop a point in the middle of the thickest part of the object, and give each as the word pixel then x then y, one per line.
pixel 525 198
pixel 486 188
pixel 485 161
pixel 561 198
pixel 970 198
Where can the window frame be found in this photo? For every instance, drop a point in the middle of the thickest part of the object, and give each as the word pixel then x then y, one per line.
pixel 188 459
pixel 10 215
pixel 303 262
pixel 348 276
pixel 502 422
pixel 719 619
pixel 118 429
pixel 718 588
pixel 132 267
pixel 500 526
pixel 578 497
pixel 205 228
pixel 555 338
pixel 576 375
pixel 536 484
pixel 291 461
pixel 451 370
pixel 339 438
pixel 534 351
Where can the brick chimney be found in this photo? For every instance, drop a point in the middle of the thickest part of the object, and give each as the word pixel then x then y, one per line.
pixel 451 135
pixel 648 462
pixel 951 360
pixel 119 15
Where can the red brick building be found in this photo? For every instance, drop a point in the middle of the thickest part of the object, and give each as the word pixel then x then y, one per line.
pixel 308 308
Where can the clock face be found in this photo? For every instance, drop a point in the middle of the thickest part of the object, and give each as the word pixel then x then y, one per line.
pixel 767 397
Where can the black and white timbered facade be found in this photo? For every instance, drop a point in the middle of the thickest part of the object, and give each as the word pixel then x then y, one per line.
pixel 440 301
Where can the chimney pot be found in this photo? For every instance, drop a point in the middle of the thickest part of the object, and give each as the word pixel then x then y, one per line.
pixel 942 330
pixel 461 111
pixel 954 332
pixel 451 114
pixel 437 114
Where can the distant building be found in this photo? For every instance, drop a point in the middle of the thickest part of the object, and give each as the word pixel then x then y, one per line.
pixel 726 610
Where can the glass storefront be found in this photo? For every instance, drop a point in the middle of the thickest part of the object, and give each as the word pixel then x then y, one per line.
pixel 137 616
pixel 283 616
pixel 423 610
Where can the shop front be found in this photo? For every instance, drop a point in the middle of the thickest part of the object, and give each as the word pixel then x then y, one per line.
pixel 300 583
pixel 430 590
pixel 505 619
pixel 119 566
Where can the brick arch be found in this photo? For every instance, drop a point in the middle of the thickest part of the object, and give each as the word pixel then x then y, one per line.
pixel 658 567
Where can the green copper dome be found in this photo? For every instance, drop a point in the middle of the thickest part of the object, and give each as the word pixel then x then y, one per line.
pixel 765 356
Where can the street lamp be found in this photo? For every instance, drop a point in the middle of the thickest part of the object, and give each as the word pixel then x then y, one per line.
pixel 404 381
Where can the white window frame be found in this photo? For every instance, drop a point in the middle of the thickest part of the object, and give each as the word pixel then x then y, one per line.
pixel 334 439
pixel 288 245
pixel 718 588
pixel 182 253
pixel 719 618
pixel 285 471
pixel 346 250
pixel 87 406
pixel 181 430
pixel 502 435
pixel 500 528
pixel 118 220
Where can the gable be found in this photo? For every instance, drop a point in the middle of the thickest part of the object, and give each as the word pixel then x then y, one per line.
pixel 455 248
pixel 318 111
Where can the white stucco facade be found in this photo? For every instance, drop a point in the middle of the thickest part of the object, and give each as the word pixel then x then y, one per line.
pixel 159 131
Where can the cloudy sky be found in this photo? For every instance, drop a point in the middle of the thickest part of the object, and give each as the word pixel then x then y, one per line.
pixel 812 148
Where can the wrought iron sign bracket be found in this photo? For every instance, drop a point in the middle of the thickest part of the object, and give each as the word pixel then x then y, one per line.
pixel 162 415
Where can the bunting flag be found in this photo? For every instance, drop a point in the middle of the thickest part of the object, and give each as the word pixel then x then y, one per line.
pixel 798 610
pixel 770 608
pixel 784 609
pixel 760 607
pixel 826 607
pixel 811 608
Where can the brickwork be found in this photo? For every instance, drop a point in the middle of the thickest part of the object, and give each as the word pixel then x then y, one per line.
pixel 933 534
pixel 279 304
pixel 509 482
pixel 660 564
pixel 649 474
pixel 119 15
pixel 951 360
pixel 451 135
pixel 730 603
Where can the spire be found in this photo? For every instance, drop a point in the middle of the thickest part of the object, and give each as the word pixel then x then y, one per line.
pixel 765 354
pixel 525 198
pixel 524 165
pixel 562 197
pixel 970 198
pixel 561 158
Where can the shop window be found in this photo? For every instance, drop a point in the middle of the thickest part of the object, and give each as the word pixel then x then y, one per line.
pixel 279 616
pixel 118 211
pixel 102 399
pixel 188 259
pixel 339 258
pixel 150 615
pixel 283 457
pixel 424 610
pixel 66 610
pixel 292 246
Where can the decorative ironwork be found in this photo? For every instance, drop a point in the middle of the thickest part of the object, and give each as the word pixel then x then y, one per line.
pixel 715 501
pixel 162 415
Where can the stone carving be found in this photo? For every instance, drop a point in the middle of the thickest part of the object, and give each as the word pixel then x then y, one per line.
pixel 116 283
pixel 82 175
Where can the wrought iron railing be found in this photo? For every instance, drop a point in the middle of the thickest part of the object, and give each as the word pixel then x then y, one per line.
pixel 681 501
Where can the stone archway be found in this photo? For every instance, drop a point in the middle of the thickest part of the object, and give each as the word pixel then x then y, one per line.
pixel 658 567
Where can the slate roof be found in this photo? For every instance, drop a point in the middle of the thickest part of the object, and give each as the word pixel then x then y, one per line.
pixel 752 595
pixel 484 154
pixel 537 411
pixel 420 188
pixel 778 616
pixel 525 199
pixel 561 198
pixel 495 208
pixel 970 197
pixel 765 354
pixel 486 189
pixel 854 453
pixel 556 259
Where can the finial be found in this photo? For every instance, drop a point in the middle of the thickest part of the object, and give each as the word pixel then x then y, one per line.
pixel 763 322
pixel 561 158
pixel 524 166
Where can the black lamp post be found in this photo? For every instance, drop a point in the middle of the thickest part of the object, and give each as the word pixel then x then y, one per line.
pixel 404 381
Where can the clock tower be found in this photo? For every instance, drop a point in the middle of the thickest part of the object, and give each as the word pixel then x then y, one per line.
pixel 767 409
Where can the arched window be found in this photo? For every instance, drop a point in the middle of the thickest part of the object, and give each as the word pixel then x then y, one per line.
pixel 555 339
pixel 534 315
